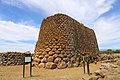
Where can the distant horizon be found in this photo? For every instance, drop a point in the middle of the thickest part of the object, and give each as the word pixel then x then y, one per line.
pixel 20 21
pixel 33 52
pixel 107 49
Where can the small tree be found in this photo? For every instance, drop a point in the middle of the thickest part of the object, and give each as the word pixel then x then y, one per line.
pixel 117 51
pixel 109 51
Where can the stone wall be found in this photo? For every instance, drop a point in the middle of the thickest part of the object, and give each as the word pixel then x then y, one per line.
pixel 11 58
pixel 62 41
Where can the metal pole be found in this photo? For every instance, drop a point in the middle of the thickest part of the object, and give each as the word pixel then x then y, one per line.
pixel 23 67
pixel 88 68
pixel 84 64
pixel 31 67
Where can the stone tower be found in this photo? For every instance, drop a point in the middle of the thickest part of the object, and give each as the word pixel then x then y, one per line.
pixel 61 39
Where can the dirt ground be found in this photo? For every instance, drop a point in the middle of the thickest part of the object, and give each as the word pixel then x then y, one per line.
pixel 15 73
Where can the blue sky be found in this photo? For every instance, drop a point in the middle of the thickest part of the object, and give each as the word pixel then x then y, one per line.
pixel 20 21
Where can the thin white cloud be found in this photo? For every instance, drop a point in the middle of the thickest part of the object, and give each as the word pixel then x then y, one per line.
pixel 107 29
pixel 82 10
pixel 16 32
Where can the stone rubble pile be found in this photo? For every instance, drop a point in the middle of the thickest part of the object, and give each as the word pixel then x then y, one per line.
pixel 107 71
pixel 110 57
pixel 104 58
pixel 62 41
pixel 11 58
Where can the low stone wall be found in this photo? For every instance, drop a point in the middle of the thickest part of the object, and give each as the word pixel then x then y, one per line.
pixel 11 58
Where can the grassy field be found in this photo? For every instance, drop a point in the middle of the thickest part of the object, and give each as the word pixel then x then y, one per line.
pixel 15 73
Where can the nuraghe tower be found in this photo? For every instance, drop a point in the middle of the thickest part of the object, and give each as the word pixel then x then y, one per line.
pixel 63 37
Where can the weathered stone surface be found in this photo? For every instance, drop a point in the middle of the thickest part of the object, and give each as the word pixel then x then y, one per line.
pixel 60 55
pixel 46 56
pixel 101 73
pixel 37 60
pixel 108 71
pixel 105 66
pixel 73 60
pixel 51 53
pixel 61 36
pixel 44 53
pixel 57 60
pixel 40 56
pixel 94 77
pixel 42 65
pixel 112 77
pixel 118 62
pixel 48 49
pixel 69 64
pixel 76 64
pixel 66 59
pixel 88 77
pixel 77 59
pixel 55 55
pixel 62 65
pixel 50 59
pixel 50 65
pixel 44 60
pixel 39 53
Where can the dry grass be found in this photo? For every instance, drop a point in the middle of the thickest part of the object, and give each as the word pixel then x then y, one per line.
pixel 15 73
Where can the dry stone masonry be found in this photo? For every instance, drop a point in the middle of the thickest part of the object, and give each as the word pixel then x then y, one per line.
pixel 11 58
pixel 62 41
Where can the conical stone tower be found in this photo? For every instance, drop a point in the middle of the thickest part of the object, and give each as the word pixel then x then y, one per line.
pixel 62 41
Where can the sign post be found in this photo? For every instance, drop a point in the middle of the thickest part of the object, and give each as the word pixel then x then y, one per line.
pixel 0 59
pixel 86 64
pixel 23 67
pixel 88 68
pixel 31 67
pixel 27 59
